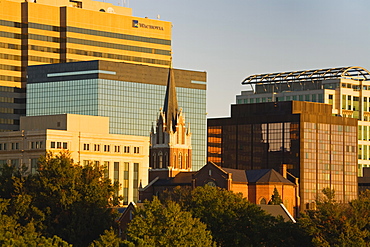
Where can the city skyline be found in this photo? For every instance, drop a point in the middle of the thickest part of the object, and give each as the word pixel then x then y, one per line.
pixel 234 40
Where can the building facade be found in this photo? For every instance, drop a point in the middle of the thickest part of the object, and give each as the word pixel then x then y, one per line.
pixel 59 31
pixel 319 149
pixel 346 89
pixel 129 94
pixel 124 156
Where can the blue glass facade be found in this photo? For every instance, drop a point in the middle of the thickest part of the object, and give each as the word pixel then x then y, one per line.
pixel 131 106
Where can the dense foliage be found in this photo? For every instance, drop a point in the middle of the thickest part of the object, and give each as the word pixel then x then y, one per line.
pixel 63 199
pixel 65 204
pixel 167 225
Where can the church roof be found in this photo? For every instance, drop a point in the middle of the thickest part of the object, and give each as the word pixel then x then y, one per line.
pixel 182 178
pixel 266 176
pixel 278 210
pixel 238 175
pixel 170 107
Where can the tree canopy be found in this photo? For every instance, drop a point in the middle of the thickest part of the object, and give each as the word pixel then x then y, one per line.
pixel 64 199
pixel 160 224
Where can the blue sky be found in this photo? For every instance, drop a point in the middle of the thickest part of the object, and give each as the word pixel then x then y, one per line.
pixel 231 40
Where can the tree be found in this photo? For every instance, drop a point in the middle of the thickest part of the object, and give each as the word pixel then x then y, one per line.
pixel 108 239
pixel 71 201
pixel 14 234
pixel 160 224
pixel 233 220
pixel 275 198
pixel 331 224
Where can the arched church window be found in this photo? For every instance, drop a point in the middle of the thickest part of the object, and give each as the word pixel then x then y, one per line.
pixel 174 165
pixel 186 165
pixel 165 159
pixel 154 160
pixel 262 201
pixel 160 157
pixel 180 160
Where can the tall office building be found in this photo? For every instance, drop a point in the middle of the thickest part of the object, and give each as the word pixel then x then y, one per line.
pixel 129 94
pixel 45 31
pixel 316 147
pixel 346 89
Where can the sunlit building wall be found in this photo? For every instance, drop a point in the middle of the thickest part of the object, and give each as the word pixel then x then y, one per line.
pixel 318 148
pixel 346 89
pixel 87 139
pixel 58 31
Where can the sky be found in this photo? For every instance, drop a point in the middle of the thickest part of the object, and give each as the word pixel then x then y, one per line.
pixel 234 39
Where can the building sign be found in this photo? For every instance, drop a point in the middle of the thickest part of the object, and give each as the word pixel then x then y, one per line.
pixel 137 24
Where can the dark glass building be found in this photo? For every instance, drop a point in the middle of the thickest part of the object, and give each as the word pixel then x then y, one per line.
pixel 316 147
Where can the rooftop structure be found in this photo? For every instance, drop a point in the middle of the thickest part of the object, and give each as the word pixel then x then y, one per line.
pixel 346 89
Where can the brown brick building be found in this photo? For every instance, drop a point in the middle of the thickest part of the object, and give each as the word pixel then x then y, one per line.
pixel 318 148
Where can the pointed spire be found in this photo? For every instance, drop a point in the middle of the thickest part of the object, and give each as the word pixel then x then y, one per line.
pixel 170 107
pixel 152 129
pixel 188 131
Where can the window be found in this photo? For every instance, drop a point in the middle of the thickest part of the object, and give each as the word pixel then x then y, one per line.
pixel 85 162
pixel 14 163
pixel 86 146
pixel 106 169
pixel 1 146
pixel 59 145
pixel 116 171
pixel 52 144
pixel 36 145
pixel 96 147
pixel 106 148
pixel 15 146
pixel 160 158
pixel 125 182
pixel 136 150
pixel 263 201
pixel 65 146
pixel 136 182
pixel 116 149
pixel 34 166
pixel 126 149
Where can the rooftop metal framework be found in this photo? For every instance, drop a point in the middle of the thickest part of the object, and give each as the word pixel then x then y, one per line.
pixel 353 72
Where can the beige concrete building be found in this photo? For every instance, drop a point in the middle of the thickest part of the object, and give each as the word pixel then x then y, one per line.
pixel 87 138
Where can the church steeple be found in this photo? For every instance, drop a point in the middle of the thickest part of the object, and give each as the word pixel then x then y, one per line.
pixel 170 107
pixel 170 141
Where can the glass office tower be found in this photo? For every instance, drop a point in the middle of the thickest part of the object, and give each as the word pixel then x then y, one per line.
pixel 130 95
pixel 346 89
pixel 316 147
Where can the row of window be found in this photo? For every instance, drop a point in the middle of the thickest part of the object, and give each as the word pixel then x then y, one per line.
pixel 59 145
pixel 106 148
pixel 31 58
pixel 15 145
pixel 117 46
pixel 6 121
pixel 118 56
pixel 355 87
pixel 119 36
pixel 86 31
pixel 5 146
pixel 305 97
pixel 31 47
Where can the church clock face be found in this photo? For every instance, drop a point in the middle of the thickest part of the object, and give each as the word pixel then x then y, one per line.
pixel 211 183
